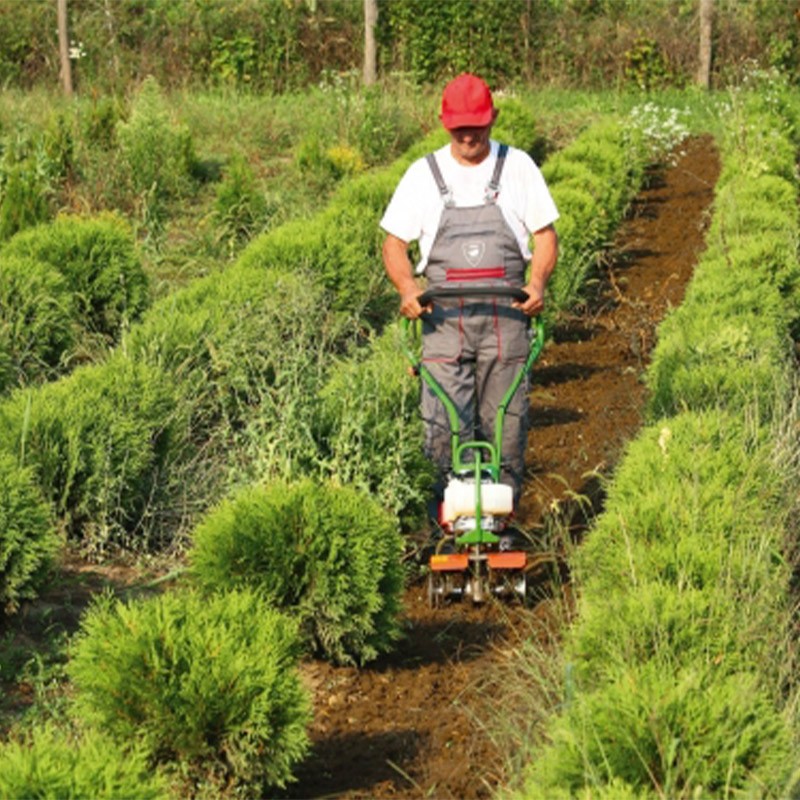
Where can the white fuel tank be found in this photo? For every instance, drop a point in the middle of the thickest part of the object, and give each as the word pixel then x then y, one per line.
pixel 459 499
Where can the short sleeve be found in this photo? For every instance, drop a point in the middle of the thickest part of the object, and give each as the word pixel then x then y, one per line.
pixel 403 217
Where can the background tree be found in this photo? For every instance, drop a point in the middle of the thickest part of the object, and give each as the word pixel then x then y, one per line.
pixel 706 28
pixel 370 46
pixel 63 48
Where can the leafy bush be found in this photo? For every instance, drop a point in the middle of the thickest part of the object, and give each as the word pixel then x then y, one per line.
pixel 38 322
pixel 28 539
pixel 206 682
pixel 329 554
pixel 96 443
pixel 97 256
pixel 47 763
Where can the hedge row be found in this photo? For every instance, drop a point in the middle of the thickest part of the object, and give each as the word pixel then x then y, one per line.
pixel 67 289
pixel 592 182
pixel 681 655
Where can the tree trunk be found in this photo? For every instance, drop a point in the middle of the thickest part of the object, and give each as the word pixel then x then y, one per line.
pixel 370 45
pixel 63 47
pixel 706 28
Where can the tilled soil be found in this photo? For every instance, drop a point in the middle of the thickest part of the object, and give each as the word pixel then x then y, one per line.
pixel 409 725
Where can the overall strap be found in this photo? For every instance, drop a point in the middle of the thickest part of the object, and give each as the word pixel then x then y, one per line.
pixel 444 191
pixel 493 189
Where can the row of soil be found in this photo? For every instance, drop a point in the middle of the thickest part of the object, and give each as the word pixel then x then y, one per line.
pixel 410 725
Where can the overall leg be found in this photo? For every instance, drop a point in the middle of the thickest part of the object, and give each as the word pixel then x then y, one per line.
pixel 453 367
pixel 499 362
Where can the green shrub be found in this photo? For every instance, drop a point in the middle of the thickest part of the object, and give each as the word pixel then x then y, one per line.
pixel 329 554
pixel 678 732
pixel 47 763
pixel 208 682
pixel 369 431
pixel 97 256
pixel 723 347
pixel 245 349
pixel 592 182
pixel 38 322
pixel 685 504
pixel 97 442
pixel 28 539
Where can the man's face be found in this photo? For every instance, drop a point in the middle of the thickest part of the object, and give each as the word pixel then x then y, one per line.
pixel 471 145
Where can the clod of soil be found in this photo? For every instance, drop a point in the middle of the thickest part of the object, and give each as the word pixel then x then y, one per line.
pixel 409 725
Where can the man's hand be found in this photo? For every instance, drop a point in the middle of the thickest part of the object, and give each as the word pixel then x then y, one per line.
pixel 409 304
pixel 545 254
pixel 535 302
pixel 401 274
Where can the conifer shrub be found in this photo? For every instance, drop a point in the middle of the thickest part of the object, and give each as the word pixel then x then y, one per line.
pixel 592 182
pixel 724 346
pixel 205 683
pixel 369 431
pixel 328 554
pixel 97 256
pixel 245 349
pixel 670 731
pixel 96 442
pixel 38 322
pixel 28 538
pixel 46 762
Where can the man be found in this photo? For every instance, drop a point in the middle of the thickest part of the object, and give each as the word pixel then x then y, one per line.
pixel 473 206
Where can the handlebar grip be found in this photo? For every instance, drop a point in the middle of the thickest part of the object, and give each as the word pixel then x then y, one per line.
pixel 429 295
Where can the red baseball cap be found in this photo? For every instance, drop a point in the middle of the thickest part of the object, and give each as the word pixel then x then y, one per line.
pixel 466 103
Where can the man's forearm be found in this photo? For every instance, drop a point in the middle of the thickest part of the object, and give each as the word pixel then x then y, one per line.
pixel 401 274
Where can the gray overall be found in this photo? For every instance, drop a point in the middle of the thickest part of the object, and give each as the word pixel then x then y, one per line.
pixel 475 347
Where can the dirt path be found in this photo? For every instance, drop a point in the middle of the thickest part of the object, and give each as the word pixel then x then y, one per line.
pixel 405 727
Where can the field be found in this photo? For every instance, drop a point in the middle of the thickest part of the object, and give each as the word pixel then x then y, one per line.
pixel 263 392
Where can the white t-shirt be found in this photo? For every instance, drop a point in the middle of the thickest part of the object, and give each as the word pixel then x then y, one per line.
pixel 416 206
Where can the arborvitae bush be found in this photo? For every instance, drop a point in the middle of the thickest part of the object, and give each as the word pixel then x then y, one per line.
pixel 46 762
pixel 98 258
pixel 97 442
pixel 330 554
pixel 677 732
pixel 28 539
pixel 205 682
pixel 38 322
pixel 245 349
pixel 370 432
